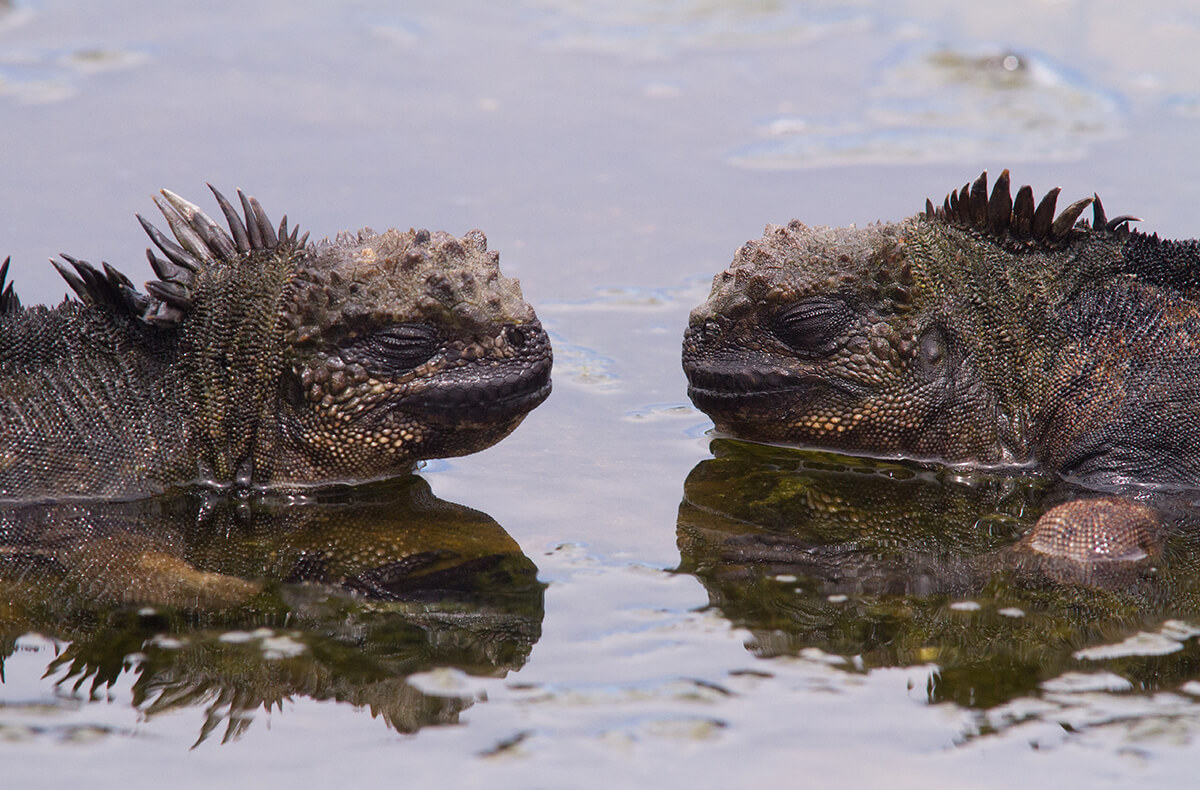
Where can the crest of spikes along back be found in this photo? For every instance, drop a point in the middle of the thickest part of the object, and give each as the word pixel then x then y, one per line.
pixel 1017 225
pixel 1008 220
pixel 201 244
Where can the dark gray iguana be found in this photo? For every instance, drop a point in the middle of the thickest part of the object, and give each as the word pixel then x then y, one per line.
pixel 259 359
pixel 984 332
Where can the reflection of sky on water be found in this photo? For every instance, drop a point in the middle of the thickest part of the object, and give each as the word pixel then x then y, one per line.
pixel 948 105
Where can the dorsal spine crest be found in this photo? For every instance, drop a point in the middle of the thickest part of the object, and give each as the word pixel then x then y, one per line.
pixel 1017 223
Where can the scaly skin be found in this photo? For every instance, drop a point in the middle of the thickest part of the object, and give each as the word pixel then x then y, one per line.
pixel 260 360
pixel 984 333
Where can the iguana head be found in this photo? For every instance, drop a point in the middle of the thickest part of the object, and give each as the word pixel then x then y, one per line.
pixel 886 339
pixel 409 344
pixel 817 336
pixel 333 361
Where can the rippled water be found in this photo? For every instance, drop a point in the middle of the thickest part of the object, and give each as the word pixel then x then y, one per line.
pixel 700 614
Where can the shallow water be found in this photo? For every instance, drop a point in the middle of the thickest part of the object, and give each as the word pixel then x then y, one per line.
pixel 617 154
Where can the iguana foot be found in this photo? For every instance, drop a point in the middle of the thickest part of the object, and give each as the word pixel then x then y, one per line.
pixel 1104 529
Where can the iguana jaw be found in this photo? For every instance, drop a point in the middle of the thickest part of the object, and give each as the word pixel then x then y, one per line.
pixel 495 391
pixel 769 405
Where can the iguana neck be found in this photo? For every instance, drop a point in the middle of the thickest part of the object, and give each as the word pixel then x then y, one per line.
pixel 1004 305
pixel 233 362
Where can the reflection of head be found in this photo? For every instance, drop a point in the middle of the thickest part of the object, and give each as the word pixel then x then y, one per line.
pixel 236 605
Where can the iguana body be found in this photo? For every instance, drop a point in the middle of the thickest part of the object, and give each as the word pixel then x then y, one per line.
pixel 262 360
pixel 985 332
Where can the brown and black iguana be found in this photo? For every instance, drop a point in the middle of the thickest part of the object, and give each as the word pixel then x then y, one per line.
pixel 985 332
pixel 261 360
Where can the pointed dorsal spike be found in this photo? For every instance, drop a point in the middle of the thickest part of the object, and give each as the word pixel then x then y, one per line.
pixel 169 248
pixel 1099 220
pixel 215 239
pixel 979 201
pixel 963 209
pixel 1121 223
pixel 953 206
pixel 240 238
pixel 92 278
pixel 115 277
pixel 188 238
pixel 72 280
pixel 270 240
pixel 1022 213
pixel 283 228
pixel 1043 216
pixel 253 228
pixel 1066 220
pixel 999 209
pixel 929 213
pixel 85 271
pixel 9 303
pixel 165 270
pixel 168 271
pixel 174 294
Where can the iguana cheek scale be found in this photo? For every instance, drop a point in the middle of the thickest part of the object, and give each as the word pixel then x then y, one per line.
pixel 988 331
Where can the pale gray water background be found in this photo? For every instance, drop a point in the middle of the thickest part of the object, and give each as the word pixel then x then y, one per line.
pixel 617 154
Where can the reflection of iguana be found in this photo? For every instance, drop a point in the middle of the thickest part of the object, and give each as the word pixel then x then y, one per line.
pixel 262 360
pixel 229 605
pixel 909 564
pixel 984 332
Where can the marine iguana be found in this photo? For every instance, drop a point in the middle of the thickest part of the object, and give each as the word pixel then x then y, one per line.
pixel 986 331
pixel 262 360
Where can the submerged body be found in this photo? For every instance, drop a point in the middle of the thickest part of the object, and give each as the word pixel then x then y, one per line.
pixel 260 360
pixel 986 332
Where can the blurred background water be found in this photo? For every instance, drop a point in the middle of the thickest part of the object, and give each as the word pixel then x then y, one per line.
pixel 617 154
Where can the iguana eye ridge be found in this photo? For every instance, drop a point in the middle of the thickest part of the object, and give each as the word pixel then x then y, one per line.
pixel 815 326
pixel 398 347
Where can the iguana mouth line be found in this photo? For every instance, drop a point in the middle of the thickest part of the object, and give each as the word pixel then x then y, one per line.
pixel 717 388
pixel 494 401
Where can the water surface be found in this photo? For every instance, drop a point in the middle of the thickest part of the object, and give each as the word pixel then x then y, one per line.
pixel 617 154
